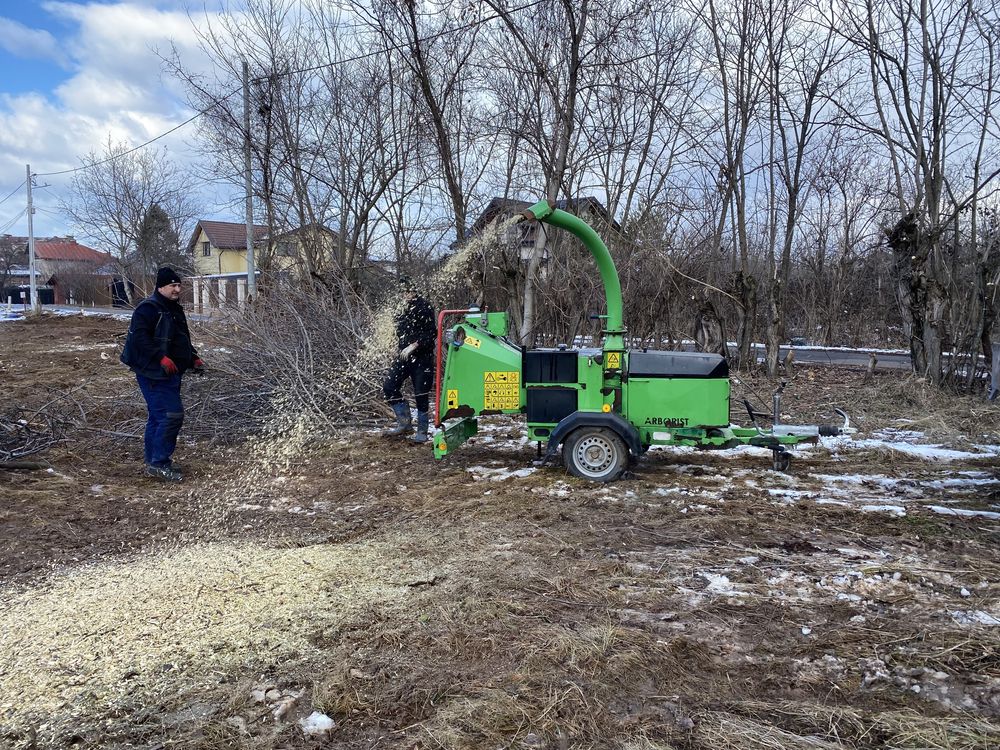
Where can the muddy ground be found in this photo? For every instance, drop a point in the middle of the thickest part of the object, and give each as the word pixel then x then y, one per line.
pixel 705 601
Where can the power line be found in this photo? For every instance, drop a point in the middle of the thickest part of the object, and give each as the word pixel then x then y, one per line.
pixel 332 63
pixel 13 221
pixel 13 192
pixel 191 119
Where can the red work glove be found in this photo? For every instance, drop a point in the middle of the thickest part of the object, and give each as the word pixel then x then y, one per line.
pixel 168 366
pixel 198 365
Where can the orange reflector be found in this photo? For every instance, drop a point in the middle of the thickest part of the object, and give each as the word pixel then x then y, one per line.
pixel 606 408
pixel 443 447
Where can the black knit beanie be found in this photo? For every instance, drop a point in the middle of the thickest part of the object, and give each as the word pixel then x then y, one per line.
pixel 167 275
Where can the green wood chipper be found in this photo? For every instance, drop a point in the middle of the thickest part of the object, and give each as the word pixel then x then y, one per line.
pixel 605 406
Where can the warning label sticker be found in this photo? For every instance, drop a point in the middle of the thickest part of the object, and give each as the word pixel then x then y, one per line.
pixel 614 361
pixel 473 342
pixel 452 398
pixel 501 390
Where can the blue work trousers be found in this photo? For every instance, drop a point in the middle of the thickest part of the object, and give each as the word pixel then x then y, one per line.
pixel 166 415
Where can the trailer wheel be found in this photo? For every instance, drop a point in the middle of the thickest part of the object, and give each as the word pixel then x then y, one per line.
pixel 595 453
pixel 781 460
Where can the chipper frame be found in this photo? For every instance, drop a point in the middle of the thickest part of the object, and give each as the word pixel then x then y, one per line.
pixel 605 406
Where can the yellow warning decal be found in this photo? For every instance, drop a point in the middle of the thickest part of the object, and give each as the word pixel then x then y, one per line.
pixel 501 390
pixel 473 342
pixel 500 376
pixel 452 399
pixel 614 361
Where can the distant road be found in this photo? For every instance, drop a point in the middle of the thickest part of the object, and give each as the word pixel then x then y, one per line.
pixel 843 357
pixel 816 355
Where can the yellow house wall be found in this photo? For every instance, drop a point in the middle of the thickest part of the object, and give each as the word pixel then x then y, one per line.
pixel 219 261
pixel 233 261
pixel 205 264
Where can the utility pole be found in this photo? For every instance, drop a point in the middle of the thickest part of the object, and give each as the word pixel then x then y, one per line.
pixel 251 264
pixel 31 246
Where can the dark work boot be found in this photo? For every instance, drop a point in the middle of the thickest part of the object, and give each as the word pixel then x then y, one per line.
pixel 164 473
pixel 420 436
pixel 403 424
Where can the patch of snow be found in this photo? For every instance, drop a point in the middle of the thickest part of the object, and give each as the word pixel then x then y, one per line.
pixel 720 584
pixel 963 512
pixel 923 452
pixel 896 510
pixel 896 434
pixel 316 724
pixel 940 484
pixel 974 617
pixel 827 501
pixel 779 492
pixel 855 552
pixel 485 473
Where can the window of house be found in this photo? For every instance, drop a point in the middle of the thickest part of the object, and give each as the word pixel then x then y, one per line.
pixel 286 249
pixel 206 248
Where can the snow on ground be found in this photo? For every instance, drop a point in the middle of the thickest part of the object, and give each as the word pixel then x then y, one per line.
pixel 498 474
pixel 10 315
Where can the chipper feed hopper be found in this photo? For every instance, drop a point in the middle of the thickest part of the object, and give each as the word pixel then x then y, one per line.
pixel 605 406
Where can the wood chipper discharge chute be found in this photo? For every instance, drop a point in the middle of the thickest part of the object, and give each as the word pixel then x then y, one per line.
pixel 604 407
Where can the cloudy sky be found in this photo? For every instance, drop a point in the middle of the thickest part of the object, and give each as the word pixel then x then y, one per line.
pixel 71 73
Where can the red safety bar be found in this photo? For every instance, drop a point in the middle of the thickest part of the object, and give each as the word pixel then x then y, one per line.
pixel 438 361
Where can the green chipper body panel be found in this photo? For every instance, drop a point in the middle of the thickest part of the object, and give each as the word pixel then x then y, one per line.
pixel 604 407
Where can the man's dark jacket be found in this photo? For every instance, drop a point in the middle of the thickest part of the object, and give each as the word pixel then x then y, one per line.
pixel 416 323
pixel 158 329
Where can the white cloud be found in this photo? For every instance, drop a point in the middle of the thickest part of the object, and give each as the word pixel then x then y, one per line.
pixel 30 44
pixel 117 87
pixel 118 50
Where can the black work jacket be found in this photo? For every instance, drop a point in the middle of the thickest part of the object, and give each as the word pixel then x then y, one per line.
pixel 158 329
pixel 416 323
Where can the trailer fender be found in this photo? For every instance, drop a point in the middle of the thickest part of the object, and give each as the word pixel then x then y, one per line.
pixel 613 421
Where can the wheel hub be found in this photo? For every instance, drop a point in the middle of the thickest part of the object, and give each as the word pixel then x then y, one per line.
pixel 594 454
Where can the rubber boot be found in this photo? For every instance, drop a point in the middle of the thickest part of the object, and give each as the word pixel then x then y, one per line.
pixel 403 423
pixel 420 436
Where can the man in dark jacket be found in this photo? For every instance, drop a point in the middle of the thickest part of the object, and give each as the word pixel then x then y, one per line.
pixel 416 334
pixel 159 350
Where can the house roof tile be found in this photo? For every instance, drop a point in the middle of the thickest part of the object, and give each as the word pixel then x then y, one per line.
pixel 60 248
pixel 226 235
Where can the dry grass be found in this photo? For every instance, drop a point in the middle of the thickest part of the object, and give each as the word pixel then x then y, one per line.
pixel 889 400
pixel 857 727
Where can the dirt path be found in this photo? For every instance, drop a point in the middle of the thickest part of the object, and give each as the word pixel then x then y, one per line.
pixel 704 602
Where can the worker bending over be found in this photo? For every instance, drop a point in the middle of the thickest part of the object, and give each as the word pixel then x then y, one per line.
pixel 416 334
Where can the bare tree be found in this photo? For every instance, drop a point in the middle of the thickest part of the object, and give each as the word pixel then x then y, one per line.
pixel 439 49
pixel 801 59
pixel 108 199
pixel 933 85
pixel 552 61
pixel 737 55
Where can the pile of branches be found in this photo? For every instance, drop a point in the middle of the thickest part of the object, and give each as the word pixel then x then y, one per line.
pixel 292 355
pixel 24 433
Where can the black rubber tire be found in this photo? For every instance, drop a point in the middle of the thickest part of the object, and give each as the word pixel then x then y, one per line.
pixel 595 453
